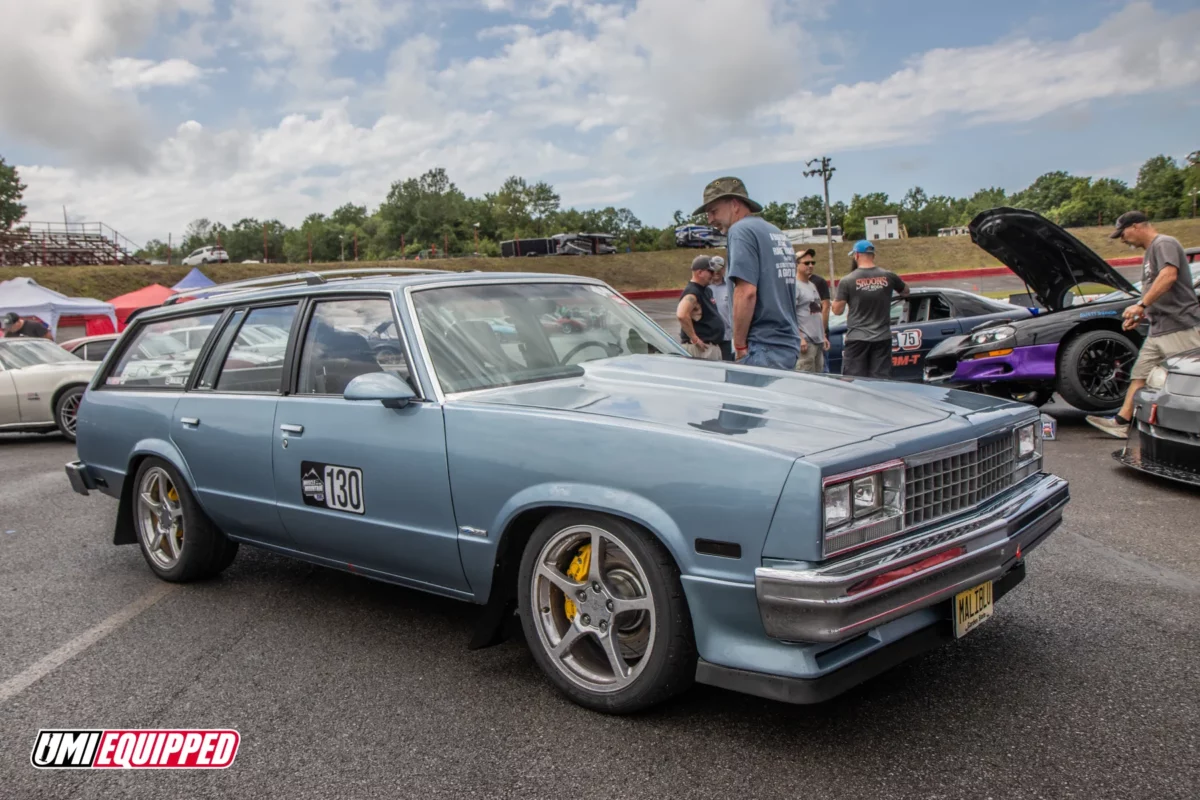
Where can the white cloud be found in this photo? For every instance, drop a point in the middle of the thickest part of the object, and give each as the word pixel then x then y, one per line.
pixel 140 73
pixel 624 96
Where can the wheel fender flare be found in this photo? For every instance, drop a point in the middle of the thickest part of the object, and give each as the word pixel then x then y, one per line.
pixel 499 598
pixel 601 499
pixel 124 531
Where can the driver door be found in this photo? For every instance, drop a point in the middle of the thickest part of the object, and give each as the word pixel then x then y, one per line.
pixel 358 483
pixel 927 320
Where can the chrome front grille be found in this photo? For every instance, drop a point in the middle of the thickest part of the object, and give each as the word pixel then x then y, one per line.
pixel 937 487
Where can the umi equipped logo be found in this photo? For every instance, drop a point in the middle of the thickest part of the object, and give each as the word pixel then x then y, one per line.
pixel 135 749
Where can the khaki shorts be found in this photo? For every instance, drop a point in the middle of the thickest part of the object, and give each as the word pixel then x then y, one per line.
pixel 712 354
pixel 813 360
pixel 1158 349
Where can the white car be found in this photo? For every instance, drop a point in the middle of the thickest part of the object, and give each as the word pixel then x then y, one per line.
pixel 206 255
pixel 41 386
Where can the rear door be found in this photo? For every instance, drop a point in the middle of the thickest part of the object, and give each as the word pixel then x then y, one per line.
pixel 927 320
pixel 356 482
pixel 223 427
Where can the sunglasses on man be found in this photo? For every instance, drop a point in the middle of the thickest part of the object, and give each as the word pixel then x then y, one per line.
pixel 809 263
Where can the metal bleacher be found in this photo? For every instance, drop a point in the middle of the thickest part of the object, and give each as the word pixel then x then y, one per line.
pixel 35 244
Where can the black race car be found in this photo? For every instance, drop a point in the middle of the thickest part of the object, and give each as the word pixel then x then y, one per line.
pixel 1164 439
pixel 1073 347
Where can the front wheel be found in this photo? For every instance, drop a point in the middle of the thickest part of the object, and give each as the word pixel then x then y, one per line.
pixel 176 537
pixel 1094 370
pixel 604 614
pixel 66 411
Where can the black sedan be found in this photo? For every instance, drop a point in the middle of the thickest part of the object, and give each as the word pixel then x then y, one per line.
pixel 923 320
pixel 1164 439
pixel 1073 347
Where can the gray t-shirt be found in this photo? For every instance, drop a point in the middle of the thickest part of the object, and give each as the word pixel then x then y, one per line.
pixel 760 254
pixel 1177 310
pixel 723 296
pixel 808 312
pixel 868 293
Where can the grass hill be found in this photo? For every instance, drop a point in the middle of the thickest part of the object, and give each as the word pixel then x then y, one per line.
pixel 665 269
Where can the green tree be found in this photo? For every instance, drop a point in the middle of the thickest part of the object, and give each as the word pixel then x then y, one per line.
pixel 982 200
pixel 1160 186
pixel 12 190
pixel 694 219
pixel 153 250
pixel 810 212
pixel 511 208
pixel 198 233
pixel 1047 192
pixel 779 214
pixel 429 211
pixel 1093 202
pixel 542 201
pixel 1191 185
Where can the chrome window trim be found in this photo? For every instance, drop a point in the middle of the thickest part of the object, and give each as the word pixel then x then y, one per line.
pixel 435 384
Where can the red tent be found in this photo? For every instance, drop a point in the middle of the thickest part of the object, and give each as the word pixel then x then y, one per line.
pixel 126 304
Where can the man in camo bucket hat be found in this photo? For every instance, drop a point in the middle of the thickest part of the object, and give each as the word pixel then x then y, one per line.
pixel 762 267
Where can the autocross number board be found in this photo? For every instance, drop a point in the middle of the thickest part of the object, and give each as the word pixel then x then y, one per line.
pixel 332 486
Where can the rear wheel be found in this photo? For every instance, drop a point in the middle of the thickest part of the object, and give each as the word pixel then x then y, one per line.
pixel 176 537
pixel 1094 370
pixel 604 614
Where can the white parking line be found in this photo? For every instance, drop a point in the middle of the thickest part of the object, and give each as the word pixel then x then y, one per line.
pixel 22 681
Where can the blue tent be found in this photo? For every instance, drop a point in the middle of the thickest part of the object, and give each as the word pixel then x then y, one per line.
pixel 194 280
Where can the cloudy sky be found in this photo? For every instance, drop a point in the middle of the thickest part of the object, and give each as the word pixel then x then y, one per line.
pixel 146 114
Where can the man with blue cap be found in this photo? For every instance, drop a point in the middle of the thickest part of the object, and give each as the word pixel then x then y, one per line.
pixel 868 291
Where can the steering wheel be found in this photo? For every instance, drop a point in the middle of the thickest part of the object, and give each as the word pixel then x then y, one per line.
pixel 582 345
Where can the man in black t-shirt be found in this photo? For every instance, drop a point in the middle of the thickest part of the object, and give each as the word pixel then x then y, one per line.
pixel 701 328
pixel 868 290
pixel 15 326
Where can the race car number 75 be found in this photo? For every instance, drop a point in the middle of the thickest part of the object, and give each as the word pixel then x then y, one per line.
pixel 344 489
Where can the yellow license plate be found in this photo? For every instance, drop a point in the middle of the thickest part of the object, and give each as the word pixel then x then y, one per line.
pixel 971 608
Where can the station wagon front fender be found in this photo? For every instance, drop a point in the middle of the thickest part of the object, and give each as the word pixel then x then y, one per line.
pixel 124 532
pixel 481 555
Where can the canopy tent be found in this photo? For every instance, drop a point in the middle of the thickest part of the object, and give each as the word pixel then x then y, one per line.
pixel 126 304
pixel 27 298
pixel 194 280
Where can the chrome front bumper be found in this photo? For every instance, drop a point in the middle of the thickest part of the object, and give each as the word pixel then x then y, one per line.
pixel 816 604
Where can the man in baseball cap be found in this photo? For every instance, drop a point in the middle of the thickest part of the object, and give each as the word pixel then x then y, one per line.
pixel 700 326
pixel 1168 302
pixel 763 271
pixel 868 290
pixel 15 326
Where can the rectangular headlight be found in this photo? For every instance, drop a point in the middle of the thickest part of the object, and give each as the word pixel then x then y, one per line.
pixel 863 506
pixel 1026 445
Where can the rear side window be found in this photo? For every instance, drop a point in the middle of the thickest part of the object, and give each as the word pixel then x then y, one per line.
pixel 154 359
pixel 96 351
pixel 254 362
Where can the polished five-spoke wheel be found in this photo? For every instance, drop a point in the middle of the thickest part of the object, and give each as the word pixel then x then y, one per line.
pixel 160 518
pixel 595 613
pixel 603 611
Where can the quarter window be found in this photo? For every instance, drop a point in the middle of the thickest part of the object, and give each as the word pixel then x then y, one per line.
pixel 348 338
pixel 255 361
pixel 156 359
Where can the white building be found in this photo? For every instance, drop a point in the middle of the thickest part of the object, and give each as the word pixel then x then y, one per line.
pixel 961 230
pixel 883 227
pixel 812 235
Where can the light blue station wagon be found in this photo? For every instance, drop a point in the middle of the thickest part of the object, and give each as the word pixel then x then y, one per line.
pixel 651 519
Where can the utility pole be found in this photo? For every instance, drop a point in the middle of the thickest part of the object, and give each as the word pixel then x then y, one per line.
pixel 266 258
pixel 342 242
pixel 826 172
pixel 477 238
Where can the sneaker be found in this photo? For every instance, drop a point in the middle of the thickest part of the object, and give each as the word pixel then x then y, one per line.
pixel 1110 425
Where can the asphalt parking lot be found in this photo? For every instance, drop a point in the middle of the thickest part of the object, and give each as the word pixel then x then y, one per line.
pixel 1083 685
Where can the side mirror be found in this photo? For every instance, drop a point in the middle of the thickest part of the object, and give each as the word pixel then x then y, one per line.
pixel 385 387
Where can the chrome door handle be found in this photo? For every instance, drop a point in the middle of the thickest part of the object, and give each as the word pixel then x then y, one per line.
pixel 192 421
pixel 296 429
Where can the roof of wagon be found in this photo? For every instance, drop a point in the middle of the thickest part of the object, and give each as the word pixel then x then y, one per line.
pixel 302 284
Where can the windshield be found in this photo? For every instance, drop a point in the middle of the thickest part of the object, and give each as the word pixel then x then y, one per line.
pixel 481 337
pixel 16 354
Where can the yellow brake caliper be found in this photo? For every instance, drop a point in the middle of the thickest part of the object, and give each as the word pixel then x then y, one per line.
pixel 578 571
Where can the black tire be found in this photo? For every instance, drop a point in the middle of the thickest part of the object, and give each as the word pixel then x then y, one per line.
pixel 1084 365
pixel 205 551
pixel 66 410
pixel 670 664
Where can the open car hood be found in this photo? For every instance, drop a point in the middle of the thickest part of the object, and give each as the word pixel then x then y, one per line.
pixel 1051 261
